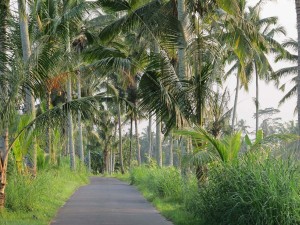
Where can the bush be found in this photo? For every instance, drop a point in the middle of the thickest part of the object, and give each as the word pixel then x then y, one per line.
pixel 24 193
pixel 162 182
pixel 256 190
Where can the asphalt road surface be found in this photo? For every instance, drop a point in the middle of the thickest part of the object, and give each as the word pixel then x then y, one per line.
pixel 108 201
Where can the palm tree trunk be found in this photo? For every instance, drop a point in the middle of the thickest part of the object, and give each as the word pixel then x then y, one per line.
pixel 171 151
pixel 4 14
pixel 150 139
pixel 158 141
pixel 114 155
pixel 80 138
pixel 89 161
pixel 48 131
pixel 298 77
pixel 29 99
pixel 235 101
pixel 70 127
pixel 105 157
pixel 3 168
pixel 69 98
pixel 130 141
pixel 120 138
pixel 256 99
pixel 137 142
pixel 181 48
pixel 111 161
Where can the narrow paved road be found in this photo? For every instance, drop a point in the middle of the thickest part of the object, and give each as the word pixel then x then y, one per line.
pixel 108 201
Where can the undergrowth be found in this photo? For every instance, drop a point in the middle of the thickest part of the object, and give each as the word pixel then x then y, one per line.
pixel 36 200
pixel 257 189
pixel 166 189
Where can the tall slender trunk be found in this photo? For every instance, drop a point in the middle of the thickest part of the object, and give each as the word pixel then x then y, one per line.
pixel 3 167
pixel 80 138
pixel 298 77
pixel 105 157
pixel 108 160
pixel 66 139
pixel 48 149
pixel 158 141
pixel 120 138
pixel 111 161
pixel 181 48
pixel 4 13
pixel 69 114
pixel 29 99
pixel 171 151
pixel 114 155
pixel 130 141
pixel 158 146
pixel 150 139
pixel 70 127
pixel 256 98
pixel 137 141
pixel 89 161
pixel 235 101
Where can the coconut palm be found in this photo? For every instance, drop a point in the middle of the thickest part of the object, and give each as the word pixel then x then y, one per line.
pixel 26 48
pixel 290 57
pixel 79 43
pixel 268 28
pixel 4 17
pixel 255 39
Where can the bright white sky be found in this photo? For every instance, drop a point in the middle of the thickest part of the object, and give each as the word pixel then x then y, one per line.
pixel 269 96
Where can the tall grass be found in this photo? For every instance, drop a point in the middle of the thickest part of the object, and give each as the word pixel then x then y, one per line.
pixel 164 182
pixel 166 188
pixel 257 189
pixel 36 200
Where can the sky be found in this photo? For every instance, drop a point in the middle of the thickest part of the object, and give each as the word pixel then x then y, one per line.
pixel 269 96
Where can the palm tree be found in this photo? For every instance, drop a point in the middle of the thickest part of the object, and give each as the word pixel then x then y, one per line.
pixel 253 38
pixel 79 43
pixel 268 29
pixel 150 138
pixel 4 16
pixel 26 48
pixel 120 137
pixel 181 47
pixel 292 58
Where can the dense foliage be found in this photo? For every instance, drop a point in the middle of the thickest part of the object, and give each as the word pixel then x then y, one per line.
pixel 258 189
pixel 35 201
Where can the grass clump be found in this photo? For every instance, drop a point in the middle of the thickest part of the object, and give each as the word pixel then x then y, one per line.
pixel 164 182
pixel 255 190
pixel 166 189
pixel 36 201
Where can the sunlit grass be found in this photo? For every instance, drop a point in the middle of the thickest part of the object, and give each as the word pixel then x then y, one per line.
pixel 163 188
pixel 36 201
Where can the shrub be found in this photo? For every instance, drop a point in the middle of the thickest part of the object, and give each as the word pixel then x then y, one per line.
pixel 163 182
pixel 24 193
pixel 255 190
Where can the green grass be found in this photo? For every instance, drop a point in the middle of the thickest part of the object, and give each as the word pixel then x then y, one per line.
pixel 257 189
pixel 164 189
pixel 261 190
pixel 36 201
